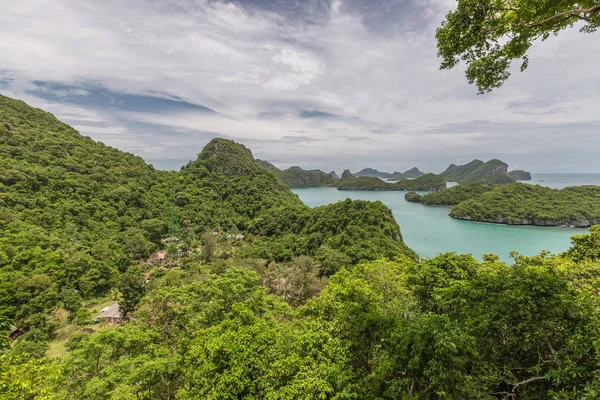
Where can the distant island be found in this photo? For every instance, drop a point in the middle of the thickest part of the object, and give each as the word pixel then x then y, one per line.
pixel 427 182
pixel 296 177
pixel 370 172
pixel 520 175
pixel 397 176
pixel 491 172
pixel 413 173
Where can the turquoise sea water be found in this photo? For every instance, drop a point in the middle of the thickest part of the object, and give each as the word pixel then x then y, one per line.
pixel 559 181
pixel 429 230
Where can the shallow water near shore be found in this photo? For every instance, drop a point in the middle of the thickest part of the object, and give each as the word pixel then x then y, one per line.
pixel 429 230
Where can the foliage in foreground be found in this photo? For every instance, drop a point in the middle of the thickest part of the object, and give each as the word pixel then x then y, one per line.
pixel 446 328
pixel 489 35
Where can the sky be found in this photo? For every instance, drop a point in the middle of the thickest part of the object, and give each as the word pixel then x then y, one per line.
pixel 329 84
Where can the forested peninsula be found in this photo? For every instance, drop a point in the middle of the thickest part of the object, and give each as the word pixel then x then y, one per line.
pixel 518 204
pixel 119 281
pixel 523 204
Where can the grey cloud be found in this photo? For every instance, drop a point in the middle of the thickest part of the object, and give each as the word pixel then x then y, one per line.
pixel 533 106
pixel 390 16
pixel 299 139
pixel 315 114
pixel 321 84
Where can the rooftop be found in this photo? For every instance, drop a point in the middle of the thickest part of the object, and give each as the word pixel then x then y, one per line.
pixel 113 311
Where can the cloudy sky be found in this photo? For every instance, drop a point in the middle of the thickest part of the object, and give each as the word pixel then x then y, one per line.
pixel 324 84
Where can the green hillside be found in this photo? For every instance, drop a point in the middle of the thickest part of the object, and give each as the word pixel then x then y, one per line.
pixel 296 177
pixel 76 214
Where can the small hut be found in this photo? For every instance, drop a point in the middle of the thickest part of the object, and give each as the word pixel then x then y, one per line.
pixel 157 258
pixel 111 314
pixel 171 239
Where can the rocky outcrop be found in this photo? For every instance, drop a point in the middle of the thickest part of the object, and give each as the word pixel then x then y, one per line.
pixel 413 173
pixel 347 174
pixel 520 175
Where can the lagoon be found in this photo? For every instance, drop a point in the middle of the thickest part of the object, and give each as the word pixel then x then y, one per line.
pixel 429 230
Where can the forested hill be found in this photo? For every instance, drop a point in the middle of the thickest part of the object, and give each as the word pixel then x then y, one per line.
pixel 72 211
pixel 76 215
pixel 296 177
pixel 491 172
pixel 225 187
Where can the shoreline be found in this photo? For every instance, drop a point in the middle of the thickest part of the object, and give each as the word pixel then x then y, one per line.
pixel 518 223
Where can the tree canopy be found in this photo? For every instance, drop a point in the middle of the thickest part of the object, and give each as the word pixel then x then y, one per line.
pixel 488 35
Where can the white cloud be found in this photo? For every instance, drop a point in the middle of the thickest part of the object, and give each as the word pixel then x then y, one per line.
pixel 380 77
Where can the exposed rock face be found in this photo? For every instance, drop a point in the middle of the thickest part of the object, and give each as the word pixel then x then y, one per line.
pixel 454 172
pixel 347 174
pixel 499 169
pixel 334 175
pixel 267 165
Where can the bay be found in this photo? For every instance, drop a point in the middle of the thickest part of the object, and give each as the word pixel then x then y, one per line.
pixel 430 231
